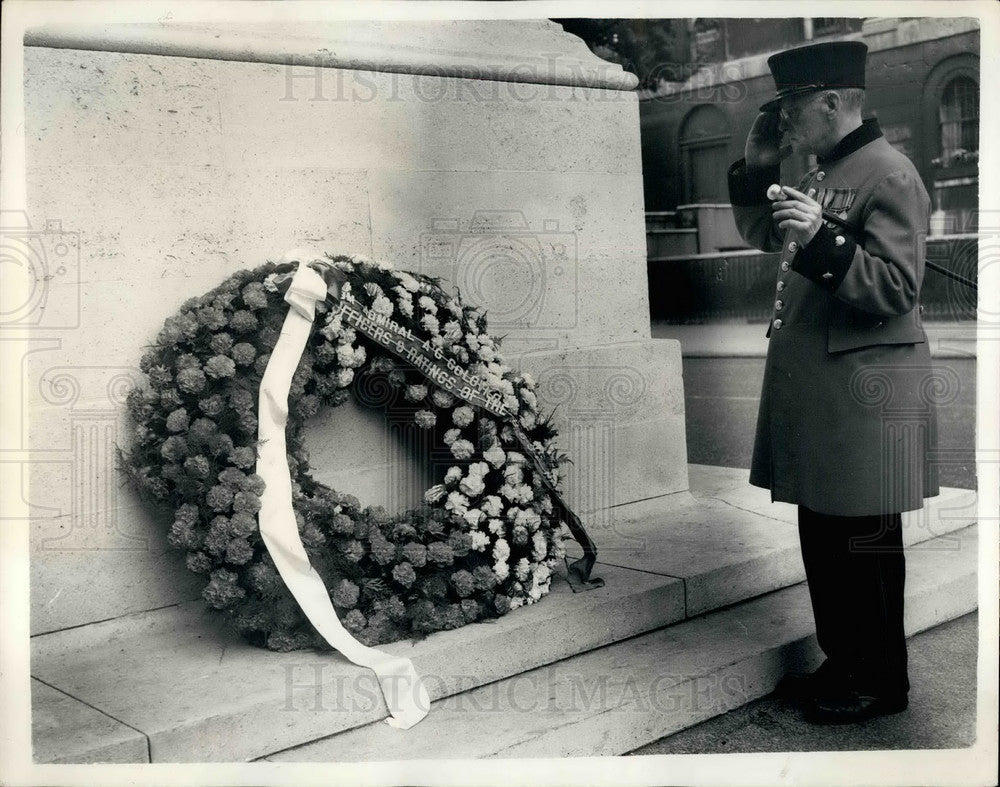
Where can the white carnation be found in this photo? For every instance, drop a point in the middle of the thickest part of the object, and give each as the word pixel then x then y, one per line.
pixel 462 449
pixel 457 503
pixel 472 485
pixel 495 455
pixel 492 505
pixel 472 516
pixel 463 415
pixel 480 541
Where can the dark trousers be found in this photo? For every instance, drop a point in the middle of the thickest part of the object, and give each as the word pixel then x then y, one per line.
pixel 856 572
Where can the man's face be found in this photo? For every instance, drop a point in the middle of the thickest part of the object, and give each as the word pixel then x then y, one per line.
pixel 805 123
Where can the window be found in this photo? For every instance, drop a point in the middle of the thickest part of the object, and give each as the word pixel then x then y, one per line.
pixel 958 117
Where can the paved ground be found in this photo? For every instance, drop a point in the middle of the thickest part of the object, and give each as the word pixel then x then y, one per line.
pixel 941 713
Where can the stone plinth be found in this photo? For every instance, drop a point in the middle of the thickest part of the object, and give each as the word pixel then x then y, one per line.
pixel 501 156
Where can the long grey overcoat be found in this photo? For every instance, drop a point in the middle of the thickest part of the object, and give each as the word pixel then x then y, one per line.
pixel 847 423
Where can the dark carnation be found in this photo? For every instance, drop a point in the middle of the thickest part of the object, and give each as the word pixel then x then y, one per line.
pixel 246 501
pixel 440 553
pixel 354 550
pixel 453 617
pixel 221 343
pixel 220 366
pixel 434 587
pixel 243 456
pixel 404 574
pixel 463 583
pixel 239 551
pixel 170 399
pixel 187 361
pixel 197 466
pixel 242 524
pixel 160 377
pixel 187 513
pixel 223 590
pixel 484 578
pixel 342 524
pixel 260 364
pixel 254 295
pixel 199 562
pixel 212 406
pixel 243 354
pixel 383 550
pixel 254 484
pixel 217 538
pixel 232 477
pixel 471 610
pixel 220 444
pixel 202 429
pixel 355 620
pixel 415 553
pixel 191 380
pixel 460 543
pixel 219 497
pixel 174 449
pixel 243 322
pixel 211 317
pixel 346 594
pixel 501 604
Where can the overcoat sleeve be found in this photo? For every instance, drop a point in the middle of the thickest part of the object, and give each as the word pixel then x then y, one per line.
pixel 751 207
pixel 882 277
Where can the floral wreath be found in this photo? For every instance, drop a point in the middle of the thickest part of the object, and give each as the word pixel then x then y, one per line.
pixel 486 538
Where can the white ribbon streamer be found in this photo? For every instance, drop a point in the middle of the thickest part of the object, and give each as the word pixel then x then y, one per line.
pixel 405 694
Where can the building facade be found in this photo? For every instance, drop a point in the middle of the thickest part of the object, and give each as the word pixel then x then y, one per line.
pixel 923 84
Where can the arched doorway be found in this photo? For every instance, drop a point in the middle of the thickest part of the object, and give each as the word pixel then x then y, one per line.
pixel 704 144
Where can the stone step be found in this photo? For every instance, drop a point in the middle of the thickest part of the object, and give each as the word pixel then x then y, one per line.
pixel 67 731
pixel 614 699
pixel 198 693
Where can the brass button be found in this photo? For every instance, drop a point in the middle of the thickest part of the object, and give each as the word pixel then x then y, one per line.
pixel 828 275
pixel 839 240
pixel 820 175
pixel 793 246
pixel 777 324
pixel 781 286
pixel 777 305
pixel 784 265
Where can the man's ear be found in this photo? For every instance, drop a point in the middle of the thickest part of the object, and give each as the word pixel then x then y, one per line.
pixel 832 102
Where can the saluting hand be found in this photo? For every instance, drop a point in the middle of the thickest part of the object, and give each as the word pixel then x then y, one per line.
pixel 798 212
pixel 764 142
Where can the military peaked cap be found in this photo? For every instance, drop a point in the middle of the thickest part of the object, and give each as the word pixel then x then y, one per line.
pixel 833 64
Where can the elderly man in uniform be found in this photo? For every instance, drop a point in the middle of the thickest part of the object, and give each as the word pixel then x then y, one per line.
pixel 846 420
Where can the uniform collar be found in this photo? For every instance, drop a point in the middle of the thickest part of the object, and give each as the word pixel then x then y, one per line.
pixel 867 132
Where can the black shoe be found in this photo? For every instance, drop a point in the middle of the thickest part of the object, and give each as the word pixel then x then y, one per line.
pixel 852 706
pixel 808 686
